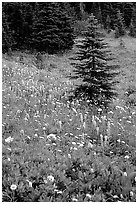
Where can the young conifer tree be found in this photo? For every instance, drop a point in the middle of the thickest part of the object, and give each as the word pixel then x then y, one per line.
pixel 120 25
pixel 91 65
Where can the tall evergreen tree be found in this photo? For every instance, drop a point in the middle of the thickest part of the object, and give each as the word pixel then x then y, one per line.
pixel 120 25
pixel 91 65
pixel 7 39
pixel 51 29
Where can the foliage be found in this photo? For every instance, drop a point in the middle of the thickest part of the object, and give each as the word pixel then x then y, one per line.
pixel 52 149
pixel 7 39
pixel 132 29
pixel 91 66
pixel 119 28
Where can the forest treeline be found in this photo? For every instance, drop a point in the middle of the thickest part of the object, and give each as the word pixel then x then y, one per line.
pixel 52 26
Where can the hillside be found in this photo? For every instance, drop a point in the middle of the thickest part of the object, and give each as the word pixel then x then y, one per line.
pixel 53 149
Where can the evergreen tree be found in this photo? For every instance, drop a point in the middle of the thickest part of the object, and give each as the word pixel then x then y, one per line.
pixel 51 29
pixel 108 22
pixel 120 27
pixel 90 63
pixel 7 39
pixel 132 29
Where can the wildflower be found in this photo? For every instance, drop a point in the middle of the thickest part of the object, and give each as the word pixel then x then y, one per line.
pixel 74 110
pixel 81 145
pixel 74 143
pixel 50 178
pixel 51 136
pixel 13 187
pixel 108 129
pixel 30 183
pixel 123 142
pixel 115 196
pixel 9 149
pixel 88 196
pixel 81 117
pixel 90 145
pixel 131 193
pixel 119 140
pixel 75 148
pixel 105 139
pixel 125 173
pixel 97 129
pixel 94 121
pixel 126 157
pixel 9 159
pixel 92 170
pixel 74 199
pixel 22 132
pixel 101 136
pixel 99 110
pixel 69 156
pixel 9 139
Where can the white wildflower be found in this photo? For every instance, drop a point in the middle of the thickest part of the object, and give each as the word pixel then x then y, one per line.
pixel 74 143
pixel 115 196
pixel 126 157
pixel 90 145
pixel 9 139
pixel 50 178
pixel 119 140
pixel 97 129
pixel 131 193
pixel 99 110
pixel 9 159
pixel 69 156
pixel 105 140
pixel 74 110
pixel 92 170
pixel 13 187
pixel 81 145
pixel 30 183
pixel 101 137
pixel 125 174
pixel 74 199
pixel 51 137
pixel 88 196
pixel 9 149
pixel 60 124
pixel 22 132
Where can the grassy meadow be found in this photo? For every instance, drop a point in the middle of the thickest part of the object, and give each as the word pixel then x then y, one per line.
pixel 57 150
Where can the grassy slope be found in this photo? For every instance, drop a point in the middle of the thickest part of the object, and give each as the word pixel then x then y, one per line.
pixel 35 105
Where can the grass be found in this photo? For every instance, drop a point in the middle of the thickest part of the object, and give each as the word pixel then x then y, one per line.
pixel 56 150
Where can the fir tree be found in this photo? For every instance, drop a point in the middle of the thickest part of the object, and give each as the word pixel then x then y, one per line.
pixel 108 22
pixel 7 39
pixel 91 66
pixel 51 29
pixel 132 29
pixel 120 27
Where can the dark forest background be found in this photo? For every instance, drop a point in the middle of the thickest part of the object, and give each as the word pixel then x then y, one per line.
pixel 52 27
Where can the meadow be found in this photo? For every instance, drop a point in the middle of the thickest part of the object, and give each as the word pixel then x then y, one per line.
pixel 57 150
